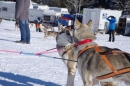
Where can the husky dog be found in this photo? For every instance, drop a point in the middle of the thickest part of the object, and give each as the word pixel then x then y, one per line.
pixel 48 27
pixel 48 33
pixel 31 25
pixel 16 26
pixel 91 63
pixel 63 39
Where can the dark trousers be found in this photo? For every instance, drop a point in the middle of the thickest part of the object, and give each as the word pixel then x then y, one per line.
pixel 38 30
pixel 111 35
pixel 24 30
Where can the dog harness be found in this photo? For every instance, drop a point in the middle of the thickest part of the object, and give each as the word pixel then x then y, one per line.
pixel 103 56
pixel 82 42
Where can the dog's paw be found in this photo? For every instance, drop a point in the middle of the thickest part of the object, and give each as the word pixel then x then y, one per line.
pixel 68 46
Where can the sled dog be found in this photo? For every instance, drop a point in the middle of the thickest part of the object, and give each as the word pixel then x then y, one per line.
pixel 99 63
pixel 63 41
pixel 64 38
pixel 68 53
pixel 48 27
pixel 48 33
pixel 16 26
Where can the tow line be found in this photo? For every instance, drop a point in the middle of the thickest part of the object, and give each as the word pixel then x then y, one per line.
pixel 40 54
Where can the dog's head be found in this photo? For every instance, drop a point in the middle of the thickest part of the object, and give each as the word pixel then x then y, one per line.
pixel 61 28
pixel 82 31
pixel 63 36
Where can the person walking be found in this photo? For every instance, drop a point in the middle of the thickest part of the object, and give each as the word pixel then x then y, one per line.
pixel 112 25
pixel 22 16
pixel 38 23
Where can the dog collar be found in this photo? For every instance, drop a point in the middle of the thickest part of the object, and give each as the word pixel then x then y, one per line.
pixel 83 42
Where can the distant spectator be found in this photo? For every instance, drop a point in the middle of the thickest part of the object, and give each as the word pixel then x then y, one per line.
pixel 38 23
pixel 22 16
pixel 112 25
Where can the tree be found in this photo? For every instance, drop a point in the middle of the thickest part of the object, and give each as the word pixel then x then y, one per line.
pixel 77 4
pixel 104 3
pixel 123 5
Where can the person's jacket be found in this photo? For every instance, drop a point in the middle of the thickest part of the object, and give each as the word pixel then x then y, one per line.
pixel 22 9
pixel 38 26
pixel 112 23
pixel 38 20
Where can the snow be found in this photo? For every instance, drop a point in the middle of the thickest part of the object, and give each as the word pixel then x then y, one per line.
pixel 31 70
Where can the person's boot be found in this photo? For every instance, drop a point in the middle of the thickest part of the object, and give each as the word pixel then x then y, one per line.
pixel 20 42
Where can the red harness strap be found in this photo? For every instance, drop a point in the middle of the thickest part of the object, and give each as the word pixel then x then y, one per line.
pixel 114 71
pixel 83 42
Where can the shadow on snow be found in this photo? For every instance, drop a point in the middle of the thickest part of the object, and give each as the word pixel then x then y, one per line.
pixel 11 79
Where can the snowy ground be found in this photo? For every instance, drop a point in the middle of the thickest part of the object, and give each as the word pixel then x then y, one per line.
pixel 31 70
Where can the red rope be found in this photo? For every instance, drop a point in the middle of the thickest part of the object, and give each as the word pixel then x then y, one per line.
pixel 44 52
pixel 38 53
pixel 10 51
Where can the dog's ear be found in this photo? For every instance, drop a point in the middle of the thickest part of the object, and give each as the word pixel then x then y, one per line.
pixel 77 24
pixel 89 23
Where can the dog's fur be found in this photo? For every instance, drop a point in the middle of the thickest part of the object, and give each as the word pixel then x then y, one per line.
pixel 90 63
pixel 62 43
pixel 109 84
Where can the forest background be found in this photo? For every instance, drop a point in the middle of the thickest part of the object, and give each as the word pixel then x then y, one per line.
pixel 78 5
